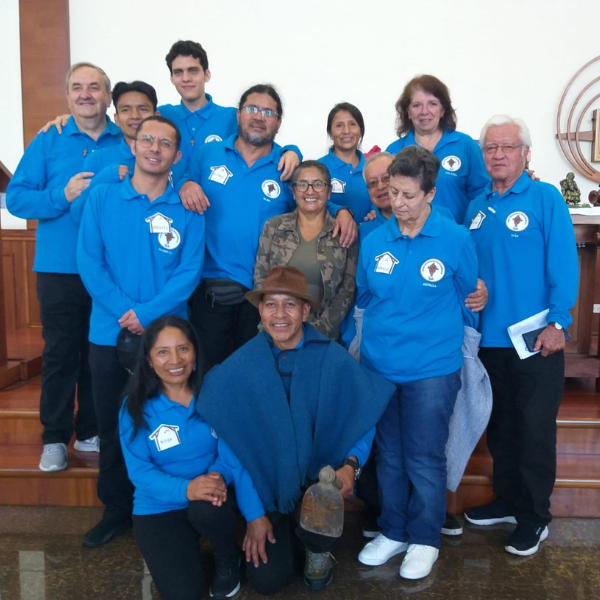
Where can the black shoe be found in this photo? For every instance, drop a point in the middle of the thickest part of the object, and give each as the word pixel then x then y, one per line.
pixel 105 531
pixel 451 526
pixel 318 570
pixel 226 582
pixel 525 539
pixel 497 511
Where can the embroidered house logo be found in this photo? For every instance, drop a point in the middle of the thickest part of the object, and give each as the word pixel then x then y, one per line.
pixel 220 174
pixel 159 223
pixel 386 263
pixel 337 186
pixel 432 270
pixel 451 163
pixel 270 188
pixel 165 437
pixel 517 221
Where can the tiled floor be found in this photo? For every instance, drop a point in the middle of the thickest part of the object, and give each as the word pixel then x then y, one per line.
pixel 41 558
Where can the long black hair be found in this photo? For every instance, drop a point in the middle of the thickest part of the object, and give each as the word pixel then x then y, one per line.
pixel 145 383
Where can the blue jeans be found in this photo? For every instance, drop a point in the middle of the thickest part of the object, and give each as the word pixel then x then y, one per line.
pixel 411 459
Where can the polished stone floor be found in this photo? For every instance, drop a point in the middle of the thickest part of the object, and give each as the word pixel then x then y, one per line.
pixel 41 558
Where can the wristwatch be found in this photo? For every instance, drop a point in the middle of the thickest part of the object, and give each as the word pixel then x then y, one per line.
pixel 556 325
pixel 355 465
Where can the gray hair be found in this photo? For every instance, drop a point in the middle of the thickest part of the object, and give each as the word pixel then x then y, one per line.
pixel 498 120
pixel 373 158
pixel 79 65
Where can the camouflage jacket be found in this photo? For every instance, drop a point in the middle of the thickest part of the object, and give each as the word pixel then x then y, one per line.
pixel 278 242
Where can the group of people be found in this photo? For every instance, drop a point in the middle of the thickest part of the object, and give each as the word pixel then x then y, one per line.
pixel 281 327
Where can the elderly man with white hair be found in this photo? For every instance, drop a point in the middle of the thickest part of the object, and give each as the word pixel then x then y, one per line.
pixel 528 259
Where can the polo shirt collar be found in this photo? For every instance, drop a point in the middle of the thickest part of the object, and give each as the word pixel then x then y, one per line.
pixel 71 128
pixel 431 228
pixel 205 112
pixel 128 192
pixel 338 162
pixel 521 185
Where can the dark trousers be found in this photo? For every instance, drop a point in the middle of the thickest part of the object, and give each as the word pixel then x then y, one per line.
pixel 366 486
pixel 109 378
pixel 275 574
pixel 65 309
pixel 170 545
pixel 221 329
pixel 521 434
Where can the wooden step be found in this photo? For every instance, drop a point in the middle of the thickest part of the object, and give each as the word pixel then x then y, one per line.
pixel 22 483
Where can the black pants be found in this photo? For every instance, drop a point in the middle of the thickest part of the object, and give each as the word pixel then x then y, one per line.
pixel 366 486
pixel 521 434
pixel 271 577
pixel 65 309
pixel 170 545
pixel 221 329
pixel 109 378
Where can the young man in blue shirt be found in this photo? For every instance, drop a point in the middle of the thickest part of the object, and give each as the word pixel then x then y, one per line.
pixel 140 255
pixel 48 179
pixel 527 256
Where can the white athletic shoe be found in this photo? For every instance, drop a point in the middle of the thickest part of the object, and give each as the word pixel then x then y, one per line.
pixel 90 445
pixel 380 550
pixel 418 561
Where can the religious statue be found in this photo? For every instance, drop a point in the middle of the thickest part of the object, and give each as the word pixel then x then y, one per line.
pixel 570 190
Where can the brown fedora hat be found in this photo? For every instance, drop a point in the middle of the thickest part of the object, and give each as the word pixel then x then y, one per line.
pixel 284 280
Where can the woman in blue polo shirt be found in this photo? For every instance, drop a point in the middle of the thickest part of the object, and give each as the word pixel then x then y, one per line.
pixel 169 451
pixel 413 275
pixel 425 116
pixel 346 128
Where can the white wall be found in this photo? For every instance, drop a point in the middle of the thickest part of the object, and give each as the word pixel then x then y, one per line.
pixel 11 113
pixel 515 57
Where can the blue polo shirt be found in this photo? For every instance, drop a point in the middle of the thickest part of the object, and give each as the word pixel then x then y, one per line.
pixel 366 227
pixel 211 123
pixel 241 200
pixel 164 457
pixel 348 187
pixel 125 264
pixel 462 176
pixel 36 191
pixel 413 293
pixel 105 166
pixel 527 256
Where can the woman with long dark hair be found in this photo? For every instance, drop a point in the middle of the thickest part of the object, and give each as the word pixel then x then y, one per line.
pixel 169 451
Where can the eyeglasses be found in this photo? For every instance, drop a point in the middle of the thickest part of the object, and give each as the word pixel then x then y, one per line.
pixel 317 186
pixel 146 141
pixel 267 113
pixel 506 148
pixel 375 182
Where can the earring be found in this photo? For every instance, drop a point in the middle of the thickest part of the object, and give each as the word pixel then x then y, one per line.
pixel 194 368
pixel 151 365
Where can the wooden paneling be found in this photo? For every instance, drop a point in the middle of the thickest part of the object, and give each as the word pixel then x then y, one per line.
pixel 45 60
pixel 19 279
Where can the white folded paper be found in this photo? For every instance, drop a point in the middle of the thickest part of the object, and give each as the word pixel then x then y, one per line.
pixel 517 330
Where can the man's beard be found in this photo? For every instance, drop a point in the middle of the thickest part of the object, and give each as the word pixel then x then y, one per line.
pixel 257 139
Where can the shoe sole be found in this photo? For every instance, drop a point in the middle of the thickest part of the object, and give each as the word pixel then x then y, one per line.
pixel 231 594
pixel 510 520
pixel 376 562
pixel 52 468
pixel 445 531
pixel 317 586
pixel 529 551
pixel 419 575
pixel 370 534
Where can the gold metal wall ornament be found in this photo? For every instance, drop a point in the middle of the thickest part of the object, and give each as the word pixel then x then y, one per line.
pixel 570 141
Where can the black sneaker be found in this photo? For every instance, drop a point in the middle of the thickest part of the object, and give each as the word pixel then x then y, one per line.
pixel 318 570
pixel 105 531
pixel 370 528
pixel 525 539
pixel 451 525
pixel 226 582
pixel 490 514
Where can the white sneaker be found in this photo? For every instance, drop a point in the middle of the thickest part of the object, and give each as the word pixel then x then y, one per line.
pixel 54 457
pixel 90 445
pixel 418 561
pixel 380 550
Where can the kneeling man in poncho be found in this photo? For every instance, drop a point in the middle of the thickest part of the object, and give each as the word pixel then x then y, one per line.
pixel 286 404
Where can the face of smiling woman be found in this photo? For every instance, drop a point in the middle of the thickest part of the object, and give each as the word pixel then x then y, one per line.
pixel 310 200
pixel 172 357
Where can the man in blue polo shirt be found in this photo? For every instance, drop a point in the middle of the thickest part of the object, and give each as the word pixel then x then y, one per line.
pixel 527 256
pixel 240 178
pixel 140 255
pixel 48 179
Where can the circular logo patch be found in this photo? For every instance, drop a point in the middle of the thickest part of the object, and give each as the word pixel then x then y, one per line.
pixel 517 221
pixel 213 138
pixel 170 240
pixel 271 188
pixel 451 163
pixel 432 270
